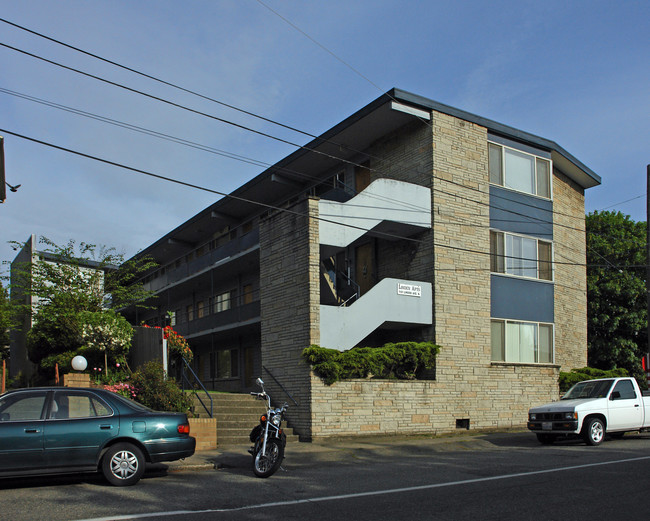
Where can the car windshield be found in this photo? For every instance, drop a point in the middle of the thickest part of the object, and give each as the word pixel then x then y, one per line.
pixel 589 389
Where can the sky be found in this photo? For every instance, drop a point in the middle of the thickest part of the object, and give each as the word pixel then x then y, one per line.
pixel 575 72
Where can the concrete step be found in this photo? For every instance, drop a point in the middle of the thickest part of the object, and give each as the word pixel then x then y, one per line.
pixel 236 415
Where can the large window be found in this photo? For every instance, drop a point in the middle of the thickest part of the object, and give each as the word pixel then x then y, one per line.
pixel 523 342
pixel 520 256
pixel 519 171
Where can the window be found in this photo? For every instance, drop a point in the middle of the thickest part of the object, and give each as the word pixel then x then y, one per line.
pixel 248 293
pixel 24 406
pixel 523 342
pixel 520 256
pixel 200 309
pixel 227 366
pixel 190 312
pixel 222 302
pixel 625 390
pixel 77 405
pixel 518 170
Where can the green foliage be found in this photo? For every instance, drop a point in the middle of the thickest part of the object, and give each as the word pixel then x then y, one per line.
pixel 8 321
pixel 568 380
pixel 616 294
pixel 403 360
pixel 74 285
pixel 156 391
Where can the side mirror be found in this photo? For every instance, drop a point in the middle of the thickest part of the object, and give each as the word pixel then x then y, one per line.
pixel 615 395
pixel 260 382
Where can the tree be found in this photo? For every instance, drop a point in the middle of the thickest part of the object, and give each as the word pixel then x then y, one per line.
pixel 616 292
pixel 7 321
pixel 73 287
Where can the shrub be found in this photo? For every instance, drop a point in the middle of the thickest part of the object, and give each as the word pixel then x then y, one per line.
pixel 402 360
pixel 568 380
pixel 156 391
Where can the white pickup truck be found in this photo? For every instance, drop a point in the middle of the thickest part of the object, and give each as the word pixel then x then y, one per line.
pixel 592 408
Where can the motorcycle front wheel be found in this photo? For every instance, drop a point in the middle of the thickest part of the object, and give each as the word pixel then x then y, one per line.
pixel 265 465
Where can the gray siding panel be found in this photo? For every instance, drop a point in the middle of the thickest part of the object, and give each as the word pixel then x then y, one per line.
pixel 522 299
pixel 516 212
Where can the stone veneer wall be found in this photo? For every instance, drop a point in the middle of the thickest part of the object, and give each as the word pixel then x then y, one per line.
pixel 468 385
pixel 290 305
pixel 569 242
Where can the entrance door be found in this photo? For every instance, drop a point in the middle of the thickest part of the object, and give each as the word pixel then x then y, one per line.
pixel 249 366
pixel 361 178
pixel 364 274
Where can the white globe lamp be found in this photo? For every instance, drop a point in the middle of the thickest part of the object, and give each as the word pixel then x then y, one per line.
pixel 79 363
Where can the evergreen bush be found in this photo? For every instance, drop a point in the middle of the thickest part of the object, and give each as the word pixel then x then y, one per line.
pixel 401 360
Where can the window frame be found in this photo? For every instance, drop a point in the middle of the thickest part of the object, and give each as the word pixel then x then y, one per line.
pixel 536 348
pixel 499 259
pixel 500 178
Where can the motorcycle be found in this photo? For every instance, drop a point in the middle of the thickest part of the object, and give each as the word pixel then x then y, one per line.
pixel 268 438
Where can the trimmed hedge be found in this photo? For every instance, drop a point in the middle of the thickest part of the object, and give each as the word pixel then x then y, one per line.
pixel 402 360
pixel 568 380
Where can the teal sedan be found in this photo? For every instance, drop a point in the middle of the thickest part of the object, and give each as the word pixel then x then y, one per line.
pixel 60 430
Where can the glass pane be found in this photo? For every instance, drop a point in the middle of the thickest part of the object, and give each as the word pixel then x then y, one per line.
pixel 223 364
pixel 544 258
pixel 520 171
pixel 545 353
pixel 498 345
pixel 521 256
pixel 512 342
pixel 496 252
pixel 22 407
pixel 543 178
pixel 527 342
pixel 495 164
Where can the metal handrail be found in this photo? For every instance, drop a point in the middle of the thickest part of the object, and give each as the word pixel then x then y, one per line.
pixel 185 379
pixel 355 295
pixel 281 386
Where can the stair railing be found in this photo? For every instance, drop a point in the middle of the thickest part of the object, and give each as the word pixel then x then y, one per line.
pixel 281 386
pixel 190 378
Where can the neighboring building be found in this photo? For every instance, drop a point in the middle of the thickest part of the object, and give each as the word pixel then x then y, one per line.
pixel 20 365
pixel 409 220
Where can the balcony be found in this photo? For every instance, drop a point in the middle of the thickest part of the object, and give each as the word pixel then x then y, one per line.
pixel 391 303
pixel 230 251
pixel 385 207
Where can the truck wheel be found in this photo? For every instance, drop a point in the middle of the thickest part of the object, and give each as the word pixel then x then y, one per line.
pixel 594 431
pixel 545 439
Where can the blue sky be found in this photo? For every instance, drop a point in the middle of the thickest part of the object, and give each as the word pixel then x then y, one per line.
pixel 574 72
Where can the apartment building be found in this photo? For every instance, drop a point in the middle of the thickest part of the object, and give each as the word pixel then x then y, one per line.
pixel 409 220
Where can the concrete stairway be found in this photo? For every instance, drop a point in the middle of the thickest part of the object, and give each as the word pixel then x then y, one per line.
pixel 236 415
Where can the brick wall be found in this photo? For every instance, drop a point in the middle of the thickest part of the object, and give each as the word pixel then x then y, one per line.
pixel 569 243
pixel 205 432
pixel 450 155
pixel 290 304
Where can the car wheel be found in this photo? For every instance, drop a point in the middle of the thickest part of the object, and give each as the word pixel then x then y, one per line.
pixel 123 465
pixel 594 431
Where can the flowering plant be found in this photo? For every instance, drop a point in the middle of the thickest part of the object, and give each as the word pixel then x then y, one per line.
pixel 177 345
pixel 123 389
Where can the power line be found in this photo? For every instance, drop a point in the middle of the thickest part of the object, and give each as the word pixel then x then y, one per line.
pixel 249 201
pixel 174 104
pixel 176 86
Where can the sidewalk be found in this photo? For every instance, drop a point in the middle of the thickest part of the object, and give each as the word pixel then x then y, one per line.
pixel 332 449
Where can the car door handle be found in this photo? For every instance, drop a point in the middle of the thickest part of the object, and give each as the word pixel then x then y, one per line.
pixel 106 427
pixel 636 405
pixel 32 431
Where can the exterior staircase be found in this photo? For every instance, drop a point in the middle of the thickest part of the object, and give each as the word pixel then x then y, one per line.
pixel 236 416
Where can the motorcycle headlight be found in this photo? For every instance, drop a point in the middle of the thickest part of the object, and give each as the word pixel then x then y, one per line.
pixel 276 420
